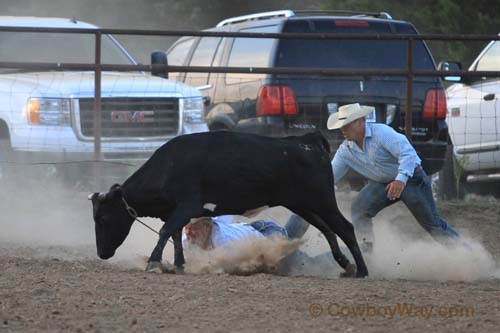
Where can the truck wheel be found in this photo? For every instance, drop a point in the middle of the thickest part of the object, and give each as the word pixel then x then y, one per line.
pixel 447 179
pixel 5 147
pixel 5 152
pixel 218 127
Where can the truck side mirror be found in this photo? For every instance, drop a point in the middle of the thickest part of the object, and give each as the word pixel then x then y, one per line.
pixel 159 64
pixel 450 66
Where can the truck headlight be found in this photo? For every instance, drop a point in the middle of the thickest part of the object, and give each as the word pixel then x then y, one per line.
pixel 49 111
pixel 193 110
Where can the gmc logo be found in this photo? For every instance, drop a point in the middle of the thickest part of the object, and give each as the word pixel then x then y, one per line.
pixel 132 117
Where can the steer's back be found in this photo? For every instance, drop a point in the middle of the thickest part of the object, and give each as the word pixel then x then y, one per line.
pixel 240 170
pixel 236 169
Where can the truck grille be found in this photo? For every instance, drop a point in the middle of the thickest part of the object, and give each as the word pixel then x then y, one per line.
pixel 131 117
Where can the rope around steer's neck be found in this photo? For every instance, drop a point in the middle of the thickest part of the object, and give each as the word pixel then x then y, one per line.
pixel 132 212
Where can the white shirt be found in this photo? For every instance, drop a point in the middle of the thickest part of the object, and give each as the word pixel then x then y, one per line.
pixel 224 232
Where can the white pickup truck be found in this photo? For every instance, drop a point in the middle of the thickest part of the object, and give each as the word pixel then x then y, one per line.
pixel 473 119
pixel 47 116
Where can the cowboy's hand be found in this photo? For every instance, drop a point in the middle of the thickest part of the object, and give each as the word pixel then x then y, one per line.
pixel 394 189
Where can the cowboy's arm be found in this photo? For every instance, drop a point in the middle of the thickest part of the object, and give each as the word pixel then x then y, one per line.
pixel 399 147
pixel 339 165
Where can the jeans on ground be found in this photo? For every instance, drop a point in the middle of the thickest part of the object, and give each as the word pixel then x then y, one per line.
pixel 417 196
pixel 268 228
pixel 296 227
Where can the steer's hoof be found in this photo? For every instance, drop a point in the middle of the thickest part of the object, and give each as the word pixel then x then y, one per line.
pixel 179 270
pixel 154 267
pixel 361 274
pixel 350 271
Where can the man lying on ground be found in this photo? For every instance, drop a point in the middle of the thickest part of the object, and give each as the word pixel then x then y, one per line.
pixel 209 233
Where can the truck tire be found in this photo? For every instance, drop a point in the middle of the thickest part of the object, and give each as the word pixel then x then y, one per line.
pixel 218 127
pixel 447 179
pixel 6 154
pixel 5 147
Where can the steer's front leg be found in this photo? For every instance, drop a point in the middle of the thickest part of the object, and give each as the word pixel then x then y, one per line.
pixel 173 227
pixel 178 252
pixel 154 262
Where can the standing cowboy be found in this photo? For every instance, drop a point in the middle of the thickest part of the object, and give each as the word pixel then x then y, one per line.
pixel 393 169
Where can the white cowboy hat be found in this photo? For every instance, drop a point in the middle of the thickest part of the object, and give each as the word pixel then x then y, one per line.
pixel 347 114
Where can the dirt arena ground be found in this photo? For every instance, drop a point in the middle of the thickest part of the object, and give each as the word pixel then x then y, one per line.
pixel 51 279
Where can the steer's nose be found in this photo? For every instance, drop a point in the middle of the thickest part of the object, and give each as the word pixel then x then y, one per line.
pixel 105 255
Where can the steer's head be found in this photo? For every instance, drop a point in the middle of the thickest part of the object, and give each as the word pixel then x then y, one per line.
pixel 112 221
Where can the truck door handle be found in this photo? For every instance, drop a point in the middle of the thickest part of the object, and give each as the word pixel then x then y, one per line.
pixel 204 87
pixel 489 97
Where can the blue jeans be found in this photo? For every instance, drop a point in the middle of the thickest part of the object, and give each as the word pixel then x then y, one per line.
pixel 268 228
pixel 295 227
pixel 417 196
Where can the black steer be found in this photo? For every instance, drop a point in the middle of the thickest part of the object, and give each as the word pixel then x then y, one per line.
pixel 218 173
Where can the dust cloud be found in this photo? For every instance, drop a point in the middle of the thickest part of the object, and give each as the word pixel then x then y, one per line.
pixel 48 214
pixel 402 251
pixel 259 255
pixel 47 218
pixel 37 210
pixel 395 256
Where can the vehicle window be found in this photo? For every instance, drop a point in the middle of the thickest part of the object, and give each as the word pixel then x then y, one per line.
pixel 490 61
pixel 220 50
pixel 204 53
pixel 178 53
pixel 344 53
pixel 202 56
pixel 250 52
pixel 58 47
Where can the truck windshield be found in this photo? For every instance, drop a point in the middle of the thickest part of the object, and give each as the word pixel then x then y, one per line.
pixel 59 47
pixel 346 53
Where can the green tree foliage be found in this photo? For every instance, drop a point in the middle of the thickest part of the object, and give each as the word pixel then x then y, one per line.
pixel 428 16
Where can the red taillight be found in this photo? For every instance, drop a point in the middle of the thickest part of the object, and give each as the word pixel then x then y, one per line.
pixel 348 23
pixel 276 100
pixel 289 104
pixel 435 104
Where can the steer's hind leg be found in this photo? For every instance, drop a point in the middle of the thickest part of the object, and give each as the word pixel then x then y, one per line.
pixel 344 229
pixel 179 218
pixel 330 236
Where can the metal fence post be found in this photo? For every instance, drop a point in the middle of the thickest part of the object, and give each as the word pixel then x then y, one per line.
pixel 97 98
pixel 97 111
pixel 409 90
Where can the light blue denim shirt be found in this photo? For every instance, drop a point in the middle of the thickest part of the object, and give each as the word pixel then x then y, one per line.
pixel 387 156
